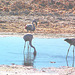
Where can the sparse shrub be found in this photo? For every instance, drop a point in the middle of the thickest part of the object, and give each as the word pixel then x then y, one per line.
pixel 26 12
pixel 2 21
pixel 13 8
pixel 30 8
pixel 70 6
pixel 57 14
pixel 6 9
pixel 58 3
pixel 3 27
pixel 52 2
pixel 11 13
pixel 1 9
pixel 43 4
pixel 16 13
pixel 7 3
pixel 19 5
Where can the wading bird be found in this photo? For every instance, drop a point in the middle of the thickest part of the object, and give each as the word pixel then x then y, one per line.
pixel 32 26
pixel 29 37
pixel 71 42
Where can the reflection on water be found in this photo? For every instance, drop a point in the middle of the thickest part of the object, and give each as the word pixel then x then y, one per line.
pixel 48 51
pixel 67 62
pixel 67 58
pixel 29 58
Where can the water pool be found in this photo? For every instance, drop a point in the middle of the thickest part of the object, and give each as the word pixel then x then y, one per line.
pixel 50 52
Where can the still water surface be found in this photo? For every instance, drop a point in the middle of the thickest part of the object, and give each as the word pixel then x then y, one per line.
pixel 50 52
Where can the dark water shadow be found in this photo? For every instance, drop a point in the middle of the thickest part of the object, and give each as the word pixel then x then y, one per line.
pixel 29 58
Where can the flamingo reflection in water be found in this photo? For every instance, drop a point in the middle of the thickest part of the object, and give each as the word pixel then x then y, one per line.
pixel 29 59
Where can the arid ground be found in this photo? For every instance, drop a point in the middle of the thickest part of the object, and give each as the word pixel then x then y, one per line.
pixel 24 70
pixel 51 16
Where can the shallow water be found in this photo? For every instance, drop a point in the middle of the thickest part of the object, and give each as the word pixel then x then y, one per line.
pixel 50 52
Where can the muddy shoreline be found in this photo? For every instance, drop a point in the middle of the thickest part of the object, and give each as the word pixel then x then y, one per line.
pixel 29 70
pixel 39 35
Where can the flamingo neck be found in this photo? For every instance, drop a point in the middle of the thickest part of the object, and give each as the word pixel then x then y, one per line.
pixel 33 47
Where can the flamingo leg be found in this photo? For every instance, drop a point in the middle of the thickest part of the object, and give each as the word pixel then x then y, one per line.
pixel 67 55
pixel 24 47
pixel 30 49
pixel 28 46
pixel 24 59
pixel 73 58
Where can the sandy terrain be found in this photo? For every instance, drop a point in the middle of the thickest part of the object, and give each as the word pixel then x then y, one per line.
pixel 24 70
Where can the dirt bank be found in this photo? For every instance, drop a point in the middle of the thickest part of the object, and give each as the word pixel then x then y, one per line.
pixel 39 35
pixel 24 70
